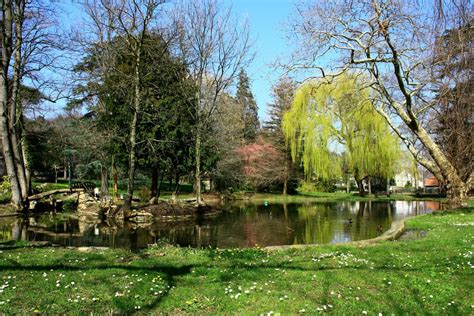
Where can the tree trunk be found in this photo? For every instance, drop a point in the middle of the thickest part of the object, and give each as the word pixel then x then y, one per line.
pixel 154 181
pixel 55 174
pixel 197 174
pixel 456 187
pixel 360 186
pixel 285 187
pixel 69 164
pixel 369 184
pixel 133 130
pixel 160 182
pixel 8 153
pixel 360 182
pixel 104 183
pixel 348 185
pixel 18 159
pixel 26 163
pixel 7 148
pixel 170 182
pixel 174 195
pixel 115 177
pixel 15 110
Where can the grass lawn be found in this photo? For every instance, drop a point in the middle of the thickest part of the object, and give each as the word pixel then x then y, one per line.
pixel 432 275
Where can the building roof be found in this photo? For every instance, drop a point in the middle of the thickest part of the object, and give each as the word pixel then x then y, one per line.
pixel 431 182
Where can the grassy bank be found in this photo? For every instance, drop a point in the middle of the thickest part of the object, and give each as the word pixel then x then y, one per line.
pixel 335 196
pixel 432 275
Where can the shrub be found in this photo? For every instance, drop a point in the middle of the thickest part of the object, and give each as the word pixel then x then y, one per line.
pixel 5 186
pixel 69 205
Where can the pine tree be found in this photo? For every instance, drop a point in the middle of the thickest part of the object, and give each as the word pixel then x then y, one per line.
pixel 283 93
pixel 245 97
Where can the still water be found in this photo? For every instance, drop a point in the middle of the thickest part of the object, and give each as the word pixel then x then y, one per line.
pixel 238 225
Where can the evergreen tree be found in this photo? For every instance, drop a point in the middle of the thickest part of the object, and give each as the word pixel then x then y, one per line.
pixel 245 97
pixel 283 92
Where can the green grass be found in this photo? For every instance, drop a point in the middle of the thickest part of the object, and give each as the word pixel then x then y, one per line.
pixel 432 275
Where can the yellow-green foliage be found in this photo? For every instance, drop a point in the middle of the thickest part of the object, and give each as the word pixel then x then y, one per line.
pixel 329 120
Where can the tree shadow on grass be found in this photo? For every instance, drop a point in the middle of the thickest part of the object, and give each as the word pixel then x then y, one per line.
pixel 170 272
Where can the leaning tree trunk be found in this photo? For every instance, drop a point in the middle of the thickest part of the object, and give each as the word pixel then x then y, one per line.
pixel 456 187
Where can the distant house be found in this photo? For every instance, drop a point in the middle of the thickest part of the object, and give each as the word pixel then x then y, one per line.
pixel 431 185
pixel 404 177
pixel 431 182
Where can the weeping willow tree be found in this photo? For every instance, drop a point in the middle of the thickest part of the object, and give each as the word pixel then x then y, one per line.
pixel 333 129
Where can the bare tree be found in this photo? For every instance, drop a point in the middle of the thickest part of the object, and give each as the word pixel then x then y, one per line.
pixel 215 47
pixel 389 43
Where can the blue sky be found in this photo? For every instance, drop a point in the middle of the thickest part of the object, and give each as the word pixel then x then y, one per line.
pixel 267 25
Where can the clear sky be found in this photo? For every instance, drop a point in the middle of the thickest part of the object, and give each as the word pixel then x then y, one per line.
pixel 267 25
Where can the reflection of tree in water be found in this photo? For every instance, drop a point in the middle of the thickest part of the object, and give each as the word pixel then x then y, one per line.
pixel 341 221
pixel 240 225
pixel 256 225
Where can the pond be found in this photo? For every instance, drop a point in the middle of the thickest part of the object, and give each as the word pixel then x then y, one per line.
pixel 238 225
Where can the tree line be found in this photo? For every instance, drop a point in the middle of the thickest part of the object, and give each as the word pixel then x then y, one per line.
pixel 151 94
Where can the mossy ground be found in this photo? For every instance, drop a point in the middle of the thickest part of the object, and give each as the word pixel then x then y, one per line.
pixel 432 275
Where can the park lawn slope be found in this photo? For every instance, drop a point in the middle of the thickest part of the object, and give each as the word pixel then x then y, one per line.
pixel 431 275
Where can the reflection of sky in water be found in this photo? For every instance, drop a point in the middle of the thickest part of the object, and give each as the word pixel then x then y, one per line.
pixel 240 225
pixel 341 237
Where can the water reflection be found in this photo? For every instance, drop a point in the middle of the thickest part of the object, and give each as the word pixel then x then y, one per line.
pixel 239 225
